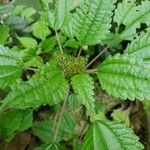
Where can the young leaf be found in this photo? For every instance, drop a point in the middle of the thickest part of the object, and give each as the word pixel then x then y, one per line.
pixel 125 77
pixel 132 16
pixel 14 121
pixel 140 47
pixel 107 135
pixel 10 67
pixel 27 42
pixel 41 30
pixel 47 87
pixel 83 86
pixel 92 20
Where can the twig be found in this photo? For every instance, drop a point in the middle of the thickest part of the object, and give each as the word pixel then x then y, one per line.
pixel 93 60
pixel 60 116
pixel 58 40
pixel 80 50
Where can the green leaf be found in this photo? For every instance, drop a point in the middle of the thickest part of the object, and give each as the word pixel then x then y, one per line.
pixel 44 129
pixel 67 27
pixel 58 17
pixel 83 86
pixel 125 77
pixel 18 9
pixel 132 16
pixel 107 135
pixel 92 21
pixel 72 43
pixel 41 30
pixel 6 9
pixel 17 22
pixel 27 120
pixel 28 94
pixel 60 13
pixel 68 122
pixel 49 44
pixel 45 3
pixel 27 42
pixel 75 3
pixel 4 32
pixel 14 121
pixel 28 12
pixel 50 146
pixel 10 67
pixel 121 116
pixel 74 102
pixel 140 47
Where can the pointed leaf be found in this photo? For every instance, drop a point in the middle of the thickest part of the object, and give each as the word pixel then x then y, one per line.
pixel 92 20
pixel 83 86
pixel 107 135
pixel 47 87
pixel 125 77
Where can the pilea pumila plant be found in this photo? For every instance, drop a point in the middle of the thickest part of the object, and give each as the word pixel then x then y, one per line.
pixel 55 58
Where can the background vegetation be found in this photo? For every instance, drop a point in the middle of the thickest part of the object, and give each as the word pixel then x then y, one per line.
pixel 74 74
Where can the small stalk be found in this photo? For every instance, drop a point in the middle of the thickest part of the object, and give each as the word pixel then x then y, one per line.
pixel 91 71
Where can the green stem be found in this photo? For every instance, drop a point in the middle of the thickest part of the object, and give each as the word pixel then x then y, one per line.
pixel 59 43
pixel 80 50
pixel 60 116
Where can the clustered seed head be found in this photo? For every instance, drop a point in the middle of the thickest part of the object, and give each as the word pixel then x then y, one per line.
pixel 70 64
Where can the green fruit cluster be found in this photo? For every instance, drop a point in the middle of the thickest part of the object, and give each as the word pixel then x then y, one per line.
pixel 70 64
